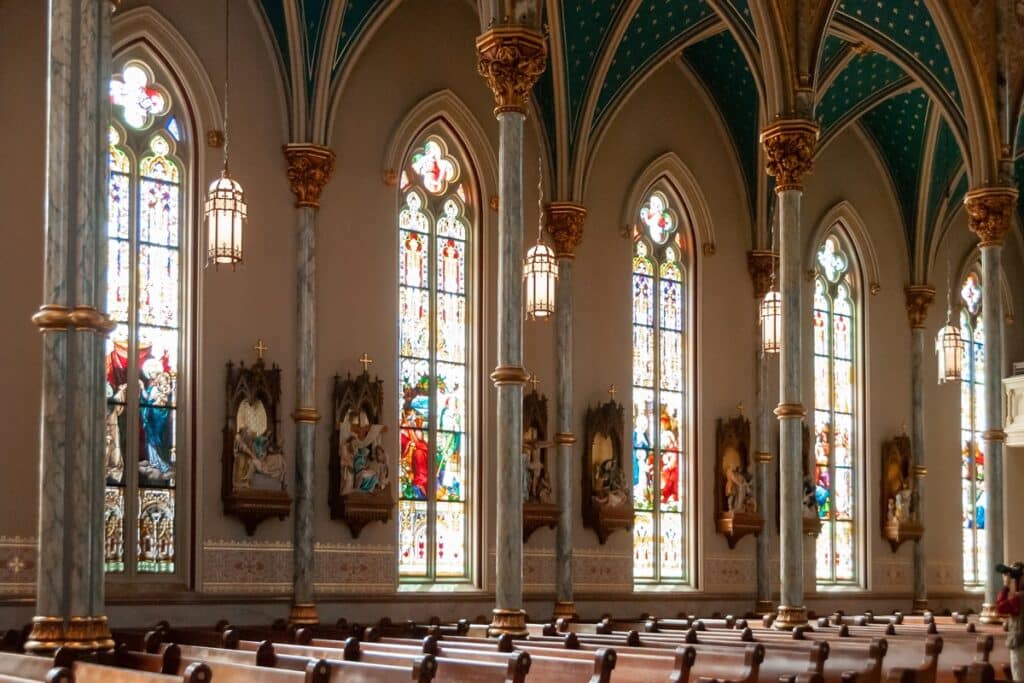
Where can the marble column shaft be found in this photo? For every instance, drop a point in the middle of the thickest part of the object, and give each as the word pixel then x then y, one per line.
pixel 305 430
pixel 992 315
pixel 566 480
pixel 70 551
pixel 763 465
pixel 790 394
pixel 918 440
pixel 509 539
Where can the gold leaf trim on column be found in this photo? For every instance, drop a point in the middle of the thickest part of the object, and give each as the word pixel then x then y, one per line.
pixel 565 225
pixel 789 148
pixel 511 59
pixel 309 169
pixel 990 213
pixel 918 299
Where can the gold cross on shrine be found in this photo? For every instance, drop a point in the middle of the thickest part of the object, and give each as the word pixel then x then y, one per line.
pixel 612 391
pixel 533 381
pixel 366 361
pixel 260 348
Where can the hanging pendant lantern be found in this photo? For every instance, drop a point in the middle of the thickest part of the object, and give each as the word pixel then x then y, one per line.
pixel 949 347
pixel 771 322
pixel 540 278
pixel 225 213
pixel 540 268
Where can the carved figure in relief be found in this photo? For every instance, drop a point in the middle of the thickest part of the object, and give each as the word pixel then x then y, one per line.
pixel 739 484
pixel 252 449
pixel 609 482
pixel 363 461
pixel 898 484
pixel 536 482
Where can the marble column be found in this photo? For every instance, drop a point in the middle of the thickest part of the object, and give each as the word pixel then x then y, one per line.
pixel 510 59
pixel 990 216
pixel 70 584
pixel 761 265
pixel 919 298
pixel 565 225
pixel 789 149
pixel 309 169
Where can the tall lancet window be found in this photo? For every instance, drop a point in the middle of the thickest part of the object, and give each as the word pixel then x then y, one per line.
pixel 435 231
pixel 147 243
pixel 972 421
pixel 836 433
pixel 660 453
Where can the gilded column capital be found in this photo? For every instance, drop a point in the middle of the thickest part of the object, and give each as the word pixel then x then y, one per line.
pixel 919 298
pixel 990 213
pixel 309 169
pixel 789 148
pixel 762 265
pixel 565 225
pixel 511 59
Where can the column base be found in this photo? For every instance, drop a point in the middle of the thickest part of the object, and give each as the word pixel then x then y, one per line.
pixel 790 617
pixel 764 607
pixel 989 614
pixel 303 614
pixel 47 635
pixel 88 634
pixel 564 610
pixel 510 621
pixel 920 606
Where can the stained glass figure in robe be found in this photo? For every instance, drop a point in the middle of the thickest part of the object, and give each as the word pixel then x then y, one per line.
pixel 659 381
pixel 433 339
pixel 972 415
pixel 144 300
pixel 834 334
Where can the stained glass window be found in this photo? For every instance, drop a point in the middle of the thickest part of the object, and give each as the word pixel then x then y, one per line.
pixel 660 462
pixel 144 352
pixel 972 418
pixel 836 460
pixel 434 266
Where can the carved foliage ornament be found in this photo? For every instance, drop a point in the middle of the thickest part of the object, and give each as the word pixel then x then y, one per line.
pixel 511 59
pixel 761 265
pixel 565 225
pixel 990 213
pixel 919 298
pixel 309 169
pixel 789 148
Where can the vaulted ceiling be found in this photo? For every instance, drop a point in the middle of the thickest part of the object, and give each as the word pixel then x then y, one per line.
pixel 883 68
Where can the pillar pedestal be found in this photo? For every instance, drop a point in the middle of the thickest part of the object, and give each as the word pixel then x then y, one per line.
pixel 990 217
pixel 789 150
pixel 511 59
pixel 309 169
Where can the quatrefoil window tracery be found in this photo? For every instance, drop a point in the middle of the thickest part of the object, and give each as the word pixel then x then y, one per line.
pixel 138 96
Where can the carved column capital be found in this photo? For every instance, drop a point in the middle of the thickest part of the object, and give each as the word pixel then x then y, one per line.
pixel 919 298
pixel 511 59
pixel 564 222
pixel 762 265
pixel 990 213
pixel 789 147
pixel 309 169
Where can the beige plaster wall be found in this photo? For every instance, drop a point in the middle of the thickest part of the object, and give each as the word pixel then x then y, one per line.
pixel 357 309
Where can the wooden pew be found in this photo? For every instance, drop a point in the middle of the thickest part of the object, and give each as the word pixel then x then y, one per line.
pixel 16 667
pixel 926 670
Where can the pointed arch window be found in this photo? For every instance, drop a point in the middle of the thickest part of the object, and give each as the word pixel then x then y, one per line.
pixel 147 251
pixel 972 448
pixel 436 266
pixel 837 451
pixel 661 462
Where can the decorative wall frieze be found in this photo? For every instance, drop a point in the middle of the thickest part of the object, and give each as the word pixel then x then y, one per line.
pixel 511 59
pixel 918 299
pixel 309 169
pixel 762 265
pixel 565 225
pixel 990 213
pixel 17 565
pixel 266 567
pixel 789 149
